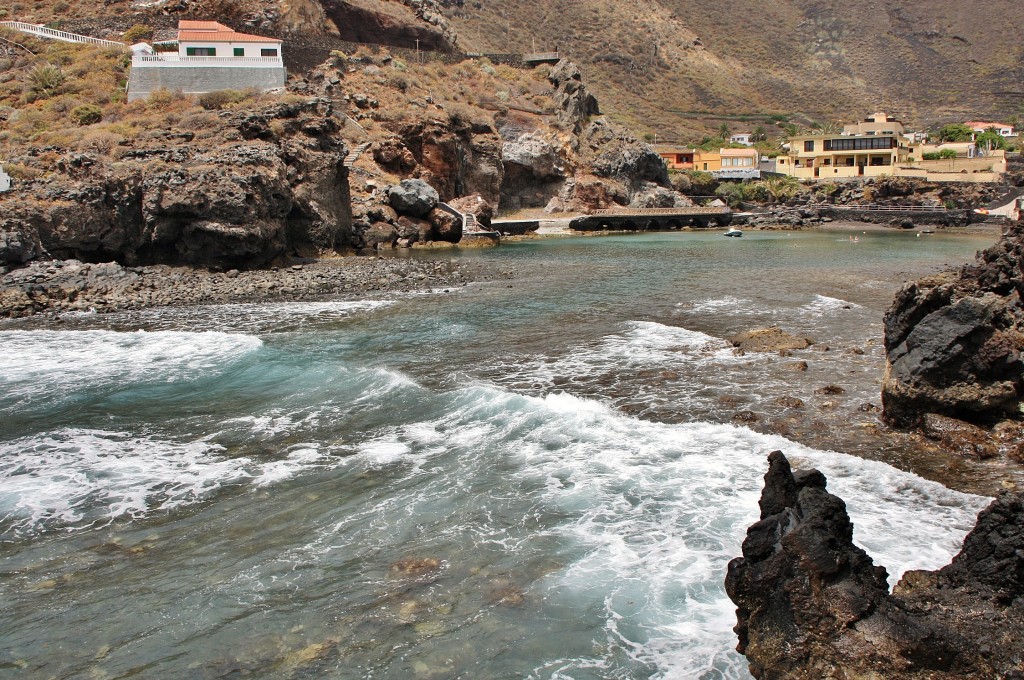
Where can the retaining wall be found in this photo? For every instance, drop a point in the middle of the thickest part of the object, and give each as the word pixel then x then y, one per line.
pixel 143 81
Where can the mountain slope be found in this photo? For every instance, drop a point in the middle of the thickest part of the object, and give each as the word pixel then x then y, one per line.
pixel 655 62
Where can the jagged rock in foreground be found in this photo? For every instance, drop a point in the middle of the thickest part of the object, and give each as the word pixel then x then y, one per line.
pixel 811 605
pixel 953 342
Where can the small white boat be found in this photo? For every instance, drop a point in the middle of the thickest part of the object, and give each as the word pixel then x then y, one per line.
pixel 734 232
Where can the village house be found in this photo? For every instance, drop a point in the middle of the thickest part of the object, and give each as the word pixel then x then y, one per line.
pixel 724 163
pixel 210 56
pixel 744 138
pixel 877 146
pixel 1003 129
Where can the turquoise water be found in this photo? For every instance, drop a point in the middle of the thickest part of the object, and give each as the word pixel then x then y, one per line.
pixel 525 478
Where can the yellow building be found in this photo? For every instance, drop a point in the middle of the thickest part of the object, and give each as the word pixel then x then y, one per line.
pixel 837 155
pixel 724 162
pixel 877 146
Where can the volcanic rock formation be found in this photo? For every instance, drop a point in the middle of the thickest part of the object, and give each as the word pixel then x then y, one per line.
pixel 953 342
pixel 811 605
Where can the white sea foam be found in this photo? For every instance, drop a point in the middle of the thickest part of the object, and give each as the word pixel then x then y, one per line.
pixel 656 511
pixel 75 477
pixel 728 305
pixel 49 364
pixel 78 478
pixel 822 304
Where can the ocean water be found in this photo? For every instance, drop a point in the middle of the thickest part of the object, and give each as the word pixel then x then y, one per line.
pixel 529 478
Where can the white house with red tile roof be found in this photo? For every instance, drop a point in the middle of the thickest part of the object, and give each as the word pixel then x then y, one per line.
pixel 214 39
pixel 1003 129
pixel 210 57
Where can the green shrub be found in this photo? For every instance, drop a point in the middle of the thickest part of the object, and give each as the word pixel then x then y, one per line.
pixel 44 81
pixel 137 33
pixel 218 99
pixel 931 155
pixel 947 153
pixel 60 7
pixel 86 114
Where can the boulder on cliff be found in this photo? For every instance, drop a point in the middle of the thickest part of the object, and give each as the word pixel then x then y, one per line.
pixel 954 342
pixel 812 605
pixel 413 197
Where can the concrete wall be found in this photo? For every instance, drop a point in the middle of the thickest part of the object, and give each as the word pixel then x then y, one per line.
pixel 5 180
pixel 195 80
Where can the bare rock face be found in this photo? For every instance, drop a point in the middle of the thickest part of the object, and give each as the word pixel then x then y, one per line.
pixel 457 159
pixel 811 605
pixel 274 191
pixel 953 343
pixel 574 104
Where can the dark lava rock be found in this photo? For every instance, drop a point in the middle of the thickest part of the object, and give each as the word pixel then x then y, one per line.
pixel 413 197
pixel 789 402
pixel 830 389
pixel 811 605
pixel 745 417
pixel 953 342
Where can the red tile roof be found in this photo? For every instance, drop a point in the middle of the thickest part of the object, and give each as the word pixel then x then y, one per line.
pixel 213 31
pixel 190 25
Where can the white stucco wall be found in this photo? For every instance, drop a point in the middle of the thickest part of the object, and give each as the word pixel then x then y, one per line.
pixel 5 180
pixel 227 49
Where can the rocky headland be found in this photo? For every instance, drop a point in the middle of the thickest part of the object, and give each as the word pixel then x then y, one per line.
pixel 954 346
pixel 812 605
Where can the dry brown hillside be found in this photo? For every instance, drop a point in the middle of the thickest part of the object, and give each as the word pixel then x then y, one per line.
pixel 679 68
pixel 660 63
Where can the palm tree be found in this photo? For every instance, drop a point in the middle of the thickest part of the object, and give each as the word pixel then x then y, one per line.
pixel 789 130
pixel 759 134
pixel 723 130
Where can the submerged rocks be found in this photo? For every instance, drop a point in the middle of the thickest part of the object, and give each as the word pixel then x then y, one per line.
pixel 768 340
pixel 954 342
pixel 812 605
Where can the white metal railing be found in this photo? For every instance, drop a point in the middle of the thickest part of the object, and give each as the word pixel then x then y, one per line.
pixel 161 60
pixel 54 34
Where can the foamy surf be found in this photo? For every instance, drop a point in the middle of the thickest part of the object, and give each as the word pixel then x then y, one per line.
pixel 43 365
pixel 653 513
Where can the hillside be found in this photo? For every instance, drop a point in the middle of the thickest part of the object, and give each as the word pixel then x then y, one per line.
pixel 679 68
pixel 656 63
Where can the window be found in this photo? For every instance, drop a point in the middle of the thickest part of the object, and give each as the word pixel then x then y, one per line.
pixel 239 51
pixel 809 145
pixel 268 52
pixel 200 51
pixel 859 143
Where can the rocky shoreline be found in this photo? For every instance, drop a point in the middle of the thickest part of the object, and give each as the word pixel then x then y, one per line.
pixel 54 287
pixel 813 605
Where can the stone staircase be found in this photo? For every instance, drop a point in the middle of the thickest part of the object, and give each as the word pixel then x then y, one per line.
pixel 355 153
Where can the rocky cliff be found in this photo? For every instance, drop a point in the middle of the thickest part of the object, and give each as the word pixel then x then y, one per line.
pixel 811 605
pixel 953 342
pixel 269 184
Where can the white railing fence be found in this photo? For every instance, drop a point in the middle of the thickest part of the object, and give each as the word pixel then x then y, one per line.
pixel 54 34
